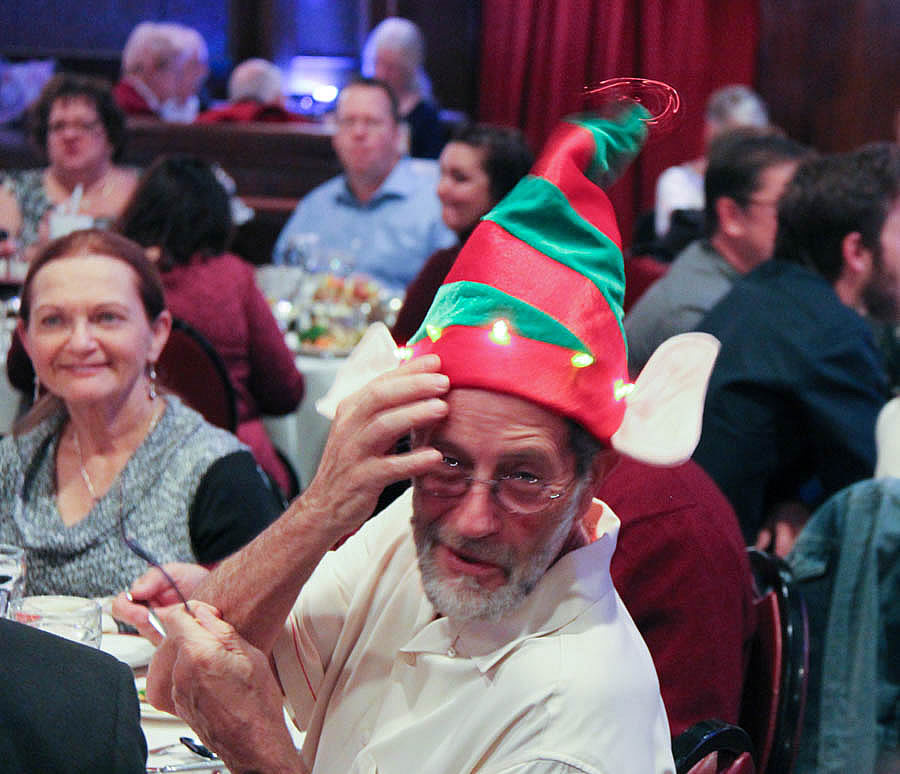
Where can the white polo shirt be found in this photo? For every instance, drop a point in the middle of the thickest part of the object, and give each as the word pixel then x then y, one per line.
pixel 564 684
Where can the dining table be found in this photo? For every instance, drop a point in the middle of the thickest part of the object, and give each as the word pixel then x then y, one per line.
pixel 164 732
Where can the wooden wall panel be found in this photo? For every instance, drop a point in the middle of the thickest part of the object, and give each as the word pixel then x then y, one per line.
pixel 830 69
pixel 92 31
pixel 452 34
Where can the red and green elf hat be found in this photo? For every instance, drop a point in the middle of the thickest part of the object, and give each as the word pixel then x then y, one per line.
pixel 533 304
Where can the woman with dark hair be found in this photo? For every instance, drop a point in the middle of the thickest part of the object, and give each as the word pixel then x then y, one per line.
pixel 181 214
pixel 76 123
pixel 479 166
pixel 103 456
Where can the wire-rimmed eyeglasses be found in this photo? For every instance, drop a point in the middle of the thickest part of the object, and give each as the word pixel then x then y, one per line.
pixel 516 493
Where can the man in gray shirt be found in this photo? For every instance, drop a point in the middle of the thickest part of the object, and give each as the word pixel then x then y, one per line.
pixel 748 169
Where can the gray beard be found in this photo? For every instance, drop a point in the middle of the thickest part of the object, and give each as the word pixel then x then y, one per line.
pixel 463 598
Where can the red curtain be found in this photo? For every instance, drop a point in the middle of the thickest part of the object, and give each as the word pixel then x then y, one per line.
pixel 538 55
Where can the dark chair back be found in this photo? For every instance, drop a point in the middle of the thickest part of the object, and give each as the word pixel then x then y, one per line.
pixel 641 271
pixel 774 693
pixel 192 369
pixel 713 747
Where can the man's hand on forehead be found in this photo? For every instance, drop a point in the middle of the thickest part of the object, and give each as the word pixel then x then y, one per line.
pixel 358 461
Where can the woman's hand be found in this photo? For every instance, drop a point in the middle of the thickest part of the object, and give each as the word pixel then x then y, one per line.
pixel 152 589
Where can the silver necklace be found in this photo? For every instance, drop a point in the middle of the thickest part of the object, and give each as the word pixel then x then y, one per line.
pixel 85 476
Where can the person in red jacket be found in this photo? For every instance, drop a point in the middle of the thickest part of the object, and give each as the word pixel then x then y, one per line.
pixel 682 571
pixel 216 293
pixel 255 93
pixel 164 65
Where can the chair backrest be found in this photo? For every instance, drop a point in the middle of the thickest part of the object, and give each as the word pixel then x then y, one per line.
pixel 774 694
pixel 713 747
pixel 190 367
pixel 641 271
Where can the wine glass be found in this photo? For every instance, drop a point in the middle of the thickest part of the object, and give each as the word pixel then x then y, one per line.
pixel 76 618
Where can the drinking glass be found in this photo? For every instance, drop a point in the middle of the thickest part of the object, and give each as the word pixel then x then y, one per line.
pixel 75 618
pixel 12 575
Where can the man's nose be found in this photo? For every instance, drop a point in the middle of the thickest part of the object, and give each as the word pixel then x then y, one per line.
pixel 476 515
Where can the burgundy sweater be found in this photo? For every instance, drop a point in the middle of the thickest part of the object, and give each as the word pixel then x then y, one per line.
pixel 682 571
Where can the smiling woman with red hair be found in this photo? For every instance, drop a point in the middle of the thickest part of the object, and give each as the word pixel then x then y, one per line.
pixel 103 454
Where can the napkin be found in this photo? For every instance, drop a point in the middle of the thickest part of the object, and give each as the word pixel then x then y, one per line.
pixel 375 354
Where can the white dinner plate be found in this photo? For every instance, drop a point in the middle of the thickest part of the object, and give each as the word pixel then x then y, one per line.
pixel 130 648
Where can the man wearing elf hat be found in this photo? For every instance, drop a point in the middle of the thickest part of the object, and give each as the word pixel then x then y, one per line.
pixel 473 625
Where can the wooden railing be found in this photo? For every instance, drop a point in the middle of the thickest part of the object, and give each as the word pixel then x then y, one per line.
pixel 273 165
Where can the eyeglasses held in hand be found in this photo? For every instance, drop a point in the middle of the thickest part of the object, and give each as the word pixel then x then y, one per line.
pixel 140 551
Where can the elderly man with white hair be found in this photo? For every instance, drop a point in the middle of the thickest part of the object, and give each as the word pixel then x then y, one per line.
pixel 394 52
pixel 255 93
pixel 164 64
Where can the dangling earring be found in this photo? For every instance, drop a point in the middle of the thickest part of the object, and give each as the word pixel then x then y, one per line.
pixel 151 389
pixel 37 390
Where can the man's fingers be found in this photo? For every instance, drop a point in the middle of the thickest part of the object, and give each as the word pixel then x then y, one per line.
pixel 395 388
pixel 414 463
pixel 421 364
pixel 763 539
pixel 181 623
pixel 388 426
pixel 210 619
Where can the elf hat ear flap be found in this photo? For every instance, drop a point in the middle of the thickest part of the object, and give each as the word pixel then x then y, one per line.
pixel 664 410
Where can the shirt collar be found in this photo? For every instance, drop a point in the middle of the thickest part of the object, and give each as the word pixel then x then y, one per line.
pixel 398 185
pixel 576 582
pixel 145 91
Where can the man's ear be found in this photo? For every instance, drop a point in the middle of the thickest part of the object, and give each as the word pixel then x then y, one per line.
pixel 402 139
pixel 728 212
pixel 857 257
pixel 856 270
pixel 604 461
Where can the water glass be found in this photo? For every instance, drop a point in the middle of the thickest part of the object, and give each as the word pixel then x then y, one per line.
pixel 75 618
pixel 12 575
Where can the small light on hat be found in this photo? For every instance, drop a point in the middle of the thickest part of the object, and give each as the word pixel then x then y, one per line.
pixel 621 389
pixel 500 332
pixel 433 331
pixel 404 353
pixel 582 360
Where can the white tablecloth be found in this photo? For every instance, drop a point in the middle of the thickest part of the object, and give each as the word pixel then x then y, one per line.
pixel 301 436
pixel 162 733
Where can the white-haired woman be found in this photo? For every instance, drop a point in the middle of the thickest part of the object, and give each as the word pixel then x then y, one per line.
pixel 394 53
